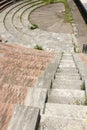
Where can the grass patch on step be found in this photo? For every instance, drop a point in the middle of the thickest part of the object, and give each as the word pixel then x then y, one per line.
pixel 68 14
pixel 34 26
pixel 38 47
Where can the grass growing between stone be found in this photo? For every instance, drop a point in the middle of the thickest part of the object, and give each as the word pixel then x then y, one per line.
pixel 38 47
pixel 34 26
pixel 68 14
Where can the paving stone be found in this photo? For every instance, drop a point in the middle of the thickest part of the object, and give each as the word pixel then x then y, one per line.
pixel 24 118
pixel 62 123
pixel 67 96
pixel 64 110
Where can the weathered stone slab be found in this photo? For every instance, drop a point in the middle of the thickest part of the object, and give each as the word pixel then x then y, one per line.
pixel 65 96
pixel 24 118
pixel 62 123
pixel 46 79
pixel 36 97
pixel 67 74
pixel 71 111
pixel 68 86
pixel 67 61
pixel 68 70
pixel 67 65
pixel 68 77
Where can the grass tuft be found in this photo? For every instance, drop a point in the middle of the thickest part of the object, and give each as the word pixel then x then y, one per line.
pixel 38 47
pixel 34 26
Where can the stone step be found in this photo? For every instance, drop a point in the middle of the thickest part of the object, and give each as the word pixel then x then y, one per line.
pixel 68 77
pixel 66 86
pixel 67 54
pixel 65 110
pixel 67 65
pixel 67 70
pixel 67 96
pixel 67 74
pixel 67 61
pixel 74 84
pixel 67 58
pixel 62 123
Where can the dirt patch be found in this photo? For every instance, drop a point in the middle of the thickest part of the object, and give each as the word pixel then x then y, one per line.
pixel 51 18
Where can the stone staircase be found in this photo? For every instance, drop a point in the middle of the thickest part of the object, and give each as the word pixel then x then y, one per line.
pixel 65 108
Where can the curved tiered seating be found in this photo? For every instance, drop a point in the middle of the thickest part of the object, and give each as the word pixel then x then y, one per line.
pixel 16 28
pixel 5 3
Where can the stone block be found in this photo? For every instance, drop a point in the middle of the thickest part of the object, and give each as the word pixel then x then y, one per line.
pixel 36 97
pixel 24 118
pixel 46 79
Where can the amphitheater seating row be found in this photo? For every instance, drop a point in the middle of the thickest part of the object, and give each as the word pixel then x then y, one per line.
pixel 5 3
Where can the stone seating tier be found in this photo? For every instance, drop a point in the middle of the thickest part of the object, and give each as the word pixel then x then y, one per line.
pixel 5 3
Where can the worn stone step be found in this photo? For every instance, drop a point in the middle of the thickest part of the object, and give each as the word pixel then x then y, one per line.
pixel 67 86
pixel 66 65
pixel 67 74
pixel 67 61
pixel 69 77
pixel 67 57
pixel 67 70
pixel 74 84
pixel 67 96
pixel 62 123
pixel 66 110
pixel 70 64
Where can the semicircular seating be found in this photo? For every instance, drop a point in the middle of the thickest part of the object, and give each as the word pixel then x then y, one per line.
pixel 5 3
pixel 16 28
